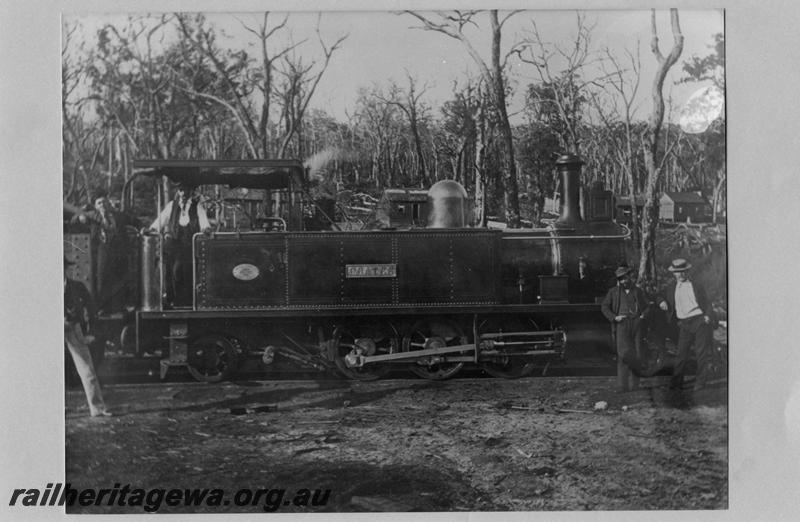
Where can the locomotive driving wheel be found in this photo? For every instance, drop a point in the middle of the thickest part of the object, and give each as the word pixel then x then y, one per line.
pixel 508 366
pixel 434 334
pixel 347 343
pixel 213 357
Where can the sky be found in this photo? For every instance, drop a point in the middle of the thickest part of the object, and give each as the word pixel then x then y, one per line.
pixel 384 46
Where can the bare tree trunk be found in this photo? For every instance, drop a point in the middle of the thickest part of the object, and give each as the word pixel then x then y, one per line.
pixel 480 161
pixel 511 193
pixel 647 271
pixel 421 171
pixel 717 194
pixel 632 185
pixel 110 143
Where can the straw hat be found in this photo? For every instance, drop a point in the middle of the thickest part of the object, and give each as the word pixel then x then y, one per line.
pixel 679 265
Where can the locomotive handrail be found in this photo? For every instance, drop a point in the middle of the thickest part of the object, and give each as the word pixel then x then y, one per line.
pixel 624 235
pixel 126 187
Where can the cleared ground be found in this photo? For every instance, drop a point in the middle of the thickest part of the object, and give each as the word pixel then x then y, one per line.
pixel 411 445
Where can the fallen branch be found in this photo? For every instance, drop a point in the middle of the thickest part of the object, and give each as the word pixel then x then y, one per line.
pixel 526 455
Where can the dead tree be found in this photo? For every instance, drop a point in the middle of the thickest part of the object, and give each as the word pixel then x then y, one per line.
pixel 647 266
pixel 623 81
pixel 564 90
pixel 241 76
pixel 301 81
pixel 452 24
pixel 410 104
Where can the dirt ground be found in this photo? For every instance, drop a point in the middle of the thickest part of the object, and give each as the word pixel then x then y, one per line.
pixel 411 445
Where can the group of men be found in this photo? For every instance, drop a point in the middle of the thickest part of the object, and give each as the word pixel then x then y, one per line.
pixel 685 301
pixel 182 217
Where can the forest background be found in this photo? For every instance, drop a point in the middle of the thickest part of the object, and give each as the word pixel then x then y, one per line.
pixel 512 90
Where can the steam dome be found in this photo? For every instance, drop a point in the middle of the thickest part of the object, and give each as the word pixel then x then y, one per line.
pixel 447 201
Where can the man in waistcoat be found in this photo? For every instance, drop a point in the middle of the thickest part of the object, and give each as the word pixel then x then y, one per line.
pixel 180 220
pixel 626 307
pixel 687 301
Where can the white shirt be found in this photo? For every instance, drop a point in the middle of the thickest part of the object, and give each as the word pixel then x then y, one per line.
pixel 163 219
pixel 685 302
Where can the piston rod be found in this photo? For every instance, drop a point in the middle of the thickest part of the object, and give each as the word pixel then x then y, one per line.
pixel 361 360
pixel 520 343
pixel 519 334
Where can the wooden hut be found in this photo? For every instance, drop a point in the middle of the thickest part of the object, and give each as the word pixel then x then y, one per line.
pixel 682 207
pixel 403 208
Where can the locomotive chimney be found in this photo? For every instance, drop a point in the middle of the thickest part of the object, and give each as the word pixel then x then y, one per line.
pixel 569 168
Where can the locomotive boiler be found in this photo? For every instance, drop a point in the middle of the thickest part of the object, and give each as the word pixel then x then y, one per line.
pixel 428 299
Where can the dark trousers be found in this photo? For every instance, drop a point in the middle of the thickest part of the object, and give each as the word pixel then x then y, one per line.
pixel 110 277
pixel 181 287
pixel 629 337
pixel 694 334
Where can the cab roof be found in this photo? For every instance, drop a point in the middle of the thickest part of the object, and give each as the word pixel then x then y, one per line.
pixel 267 174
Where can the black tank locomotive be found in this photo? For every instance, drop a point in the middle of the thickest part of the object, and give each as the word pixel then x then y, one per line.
pixel 430 299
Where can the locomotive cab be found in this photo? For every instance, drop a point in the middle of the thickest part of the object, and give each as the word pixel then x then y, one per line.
pixel 239 197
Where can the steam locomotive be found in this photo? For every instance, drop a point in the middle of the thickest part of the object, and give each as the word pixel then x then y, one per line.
pixel 268 284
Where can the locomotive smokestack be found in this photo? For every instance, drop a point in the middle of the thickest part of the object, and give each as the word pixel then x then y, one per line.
pixel 569 168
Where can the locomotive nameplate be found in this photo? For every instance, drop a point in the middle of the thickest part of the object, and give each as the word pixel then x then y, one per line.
pixel 371 271
pixel 245 272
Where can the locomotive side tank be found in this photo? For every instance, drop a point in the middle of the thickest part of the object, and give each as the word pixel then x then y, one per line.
pixel 429 299
pixel 347 270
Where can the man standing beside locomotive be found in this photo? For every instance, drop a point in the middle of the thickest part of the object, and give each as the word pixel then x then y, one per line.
pixel 626 307
pixel 110 248
pixel 182 217
pixel 688 302
pixel 78 308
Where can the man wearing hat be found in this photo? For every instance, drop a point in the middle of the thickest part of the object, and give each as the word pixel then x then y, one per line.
pixel 110 249
pixel 626 307
pixel 181 218
pixel 78 308
pixel 687 301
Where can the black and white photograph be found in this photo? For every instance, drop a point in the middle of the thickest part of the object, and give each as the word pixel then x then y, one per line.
pixel 463 262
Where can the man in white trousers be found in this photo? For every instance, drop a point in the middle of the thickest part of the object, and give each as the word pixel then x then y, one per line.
pixel 77 310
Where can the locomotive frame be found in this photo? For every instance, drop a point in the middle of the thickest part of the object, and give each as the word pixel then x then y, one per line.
pixel 362 303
